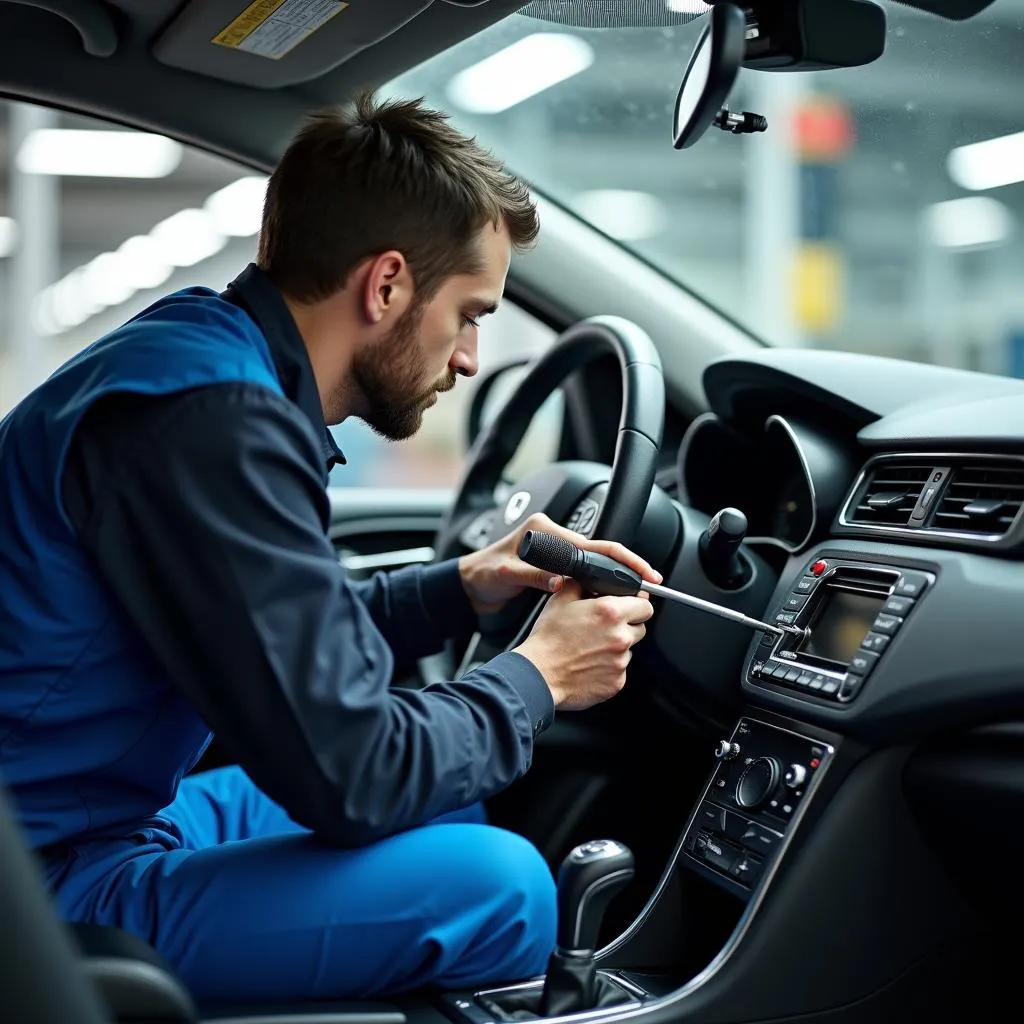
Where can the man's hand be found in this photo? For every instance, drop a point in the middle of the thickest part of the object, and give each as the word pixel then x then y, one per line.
pixel 582 648
pixel 497 574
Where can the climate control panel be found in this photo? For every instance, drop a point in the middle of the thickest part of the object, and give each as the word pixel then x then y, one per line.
pixel 763 777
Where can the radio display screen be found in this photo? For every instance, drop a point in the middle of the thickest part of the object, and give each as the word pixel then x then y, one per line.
pixel 841 624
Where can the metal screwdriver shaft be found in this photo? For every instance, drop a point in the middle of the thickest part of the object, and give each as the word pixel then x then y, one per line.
pixel 603 575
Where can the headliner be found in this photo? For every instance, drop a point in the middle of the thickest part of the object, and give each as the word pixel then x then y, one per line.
pixel 42 59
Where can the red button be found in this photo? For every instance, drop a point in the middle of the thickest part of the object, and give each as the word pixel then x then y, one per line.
pixel 818 568
pixel 815 762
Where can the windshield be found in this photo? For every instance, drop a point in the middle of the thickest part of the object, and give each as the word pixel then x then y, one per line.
pixel 879 213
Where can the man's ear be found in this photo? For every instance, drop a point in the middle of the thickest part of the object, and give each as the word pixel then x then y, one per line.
pixel 387 287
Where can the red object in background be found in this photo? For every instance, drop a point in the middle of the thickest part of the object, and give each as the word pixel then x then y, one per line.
pixel 823 130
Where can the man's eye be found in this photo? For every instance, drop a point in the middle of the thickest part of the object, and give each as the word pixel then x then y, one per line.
pixel 470 321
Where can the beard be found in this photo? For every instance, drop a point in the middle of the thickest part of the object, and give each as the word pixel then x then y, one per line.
pixel 390 378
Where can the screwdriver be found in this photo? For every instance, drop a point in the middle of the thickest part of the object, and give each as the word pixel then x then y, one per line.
pixel 602 575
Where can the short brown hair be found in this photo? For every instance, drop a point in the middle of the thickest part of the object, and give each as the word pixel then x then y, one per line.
pixel 375 176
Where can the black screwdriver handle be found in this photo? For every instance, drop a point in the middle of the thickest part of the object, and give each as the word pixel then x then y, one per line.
pixel 596 573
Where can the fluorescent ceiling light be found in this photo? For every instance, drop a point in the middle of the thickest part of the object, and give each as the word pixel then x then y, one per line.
pixel 988 164
pixel 522 70
pixel 237 209
pixel 98 154
pixel 65 304
pixel 628 216
pixel 971 223
pixel 187 238
pixel 143 265
pixel 8 236
pixel 105 280
pixel 687 6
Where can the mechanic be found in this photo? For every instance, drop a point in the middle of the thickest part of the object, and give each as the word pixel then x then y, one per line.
pixel 167 572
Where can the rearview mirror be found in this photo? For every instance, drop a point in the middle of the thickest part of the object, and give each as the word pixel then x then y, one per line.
pixel 710 75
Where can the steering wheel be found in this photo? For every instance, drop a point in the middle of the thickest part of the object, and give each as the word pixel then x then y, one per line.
pixel 585 496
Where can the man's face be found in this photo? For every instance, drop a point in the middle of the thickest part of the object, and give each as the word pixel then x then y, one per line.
pixel 431 344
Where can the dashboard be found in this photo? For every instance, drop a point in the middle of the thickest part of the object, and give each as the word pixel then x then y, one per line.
pixel 884 504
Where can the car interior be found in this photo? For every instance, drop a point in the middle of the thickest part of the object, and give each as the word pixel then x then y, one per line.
pixel 824 728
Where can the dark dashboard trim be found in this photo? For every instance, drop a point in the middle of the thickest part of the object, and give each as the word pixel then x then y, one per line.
pixel 791 433
pixel 816 734
pixel 923 533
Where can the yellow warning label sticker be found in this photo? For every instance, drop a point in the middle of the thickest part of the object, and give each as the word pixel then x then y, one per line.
pixel 272 28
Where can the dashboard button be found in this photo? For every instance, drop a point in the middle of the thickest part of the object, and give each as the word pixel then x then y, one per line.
pixel 735 825
pixel 792 675
pixel 806 585
pixel 747 869
pixel 817 682
pixel 898 606
pixel 850 686
pixel 830 686
pixel 757 837
pixel 711 817
pixel 818 568
pixel 911 584
pixel 785 618
pixel 795 602
pixel 719 854
pixel 886 623
pixel 875 642
pixel 805 679
pixel 863 662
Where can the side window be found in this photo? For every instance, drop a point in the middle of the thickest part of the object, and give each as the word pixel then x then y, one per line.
pixel 98 221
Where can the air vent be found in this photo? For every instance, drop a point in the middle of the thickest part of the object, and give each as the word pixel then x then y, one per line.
pixel 982 498
pixel 889 494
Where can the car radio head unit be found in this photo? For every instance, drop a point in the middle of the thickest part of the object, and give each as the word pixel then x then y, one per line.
pixel 842 619
pixel 852 611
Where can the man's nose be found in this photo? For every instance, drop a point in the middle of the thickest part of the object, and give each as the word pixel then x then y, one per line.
pixel 464 360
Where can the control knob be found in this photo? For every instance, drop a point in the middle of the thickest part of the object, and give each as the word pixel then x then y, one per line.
pixel 795 775
pixel 757 782
pixel 727 750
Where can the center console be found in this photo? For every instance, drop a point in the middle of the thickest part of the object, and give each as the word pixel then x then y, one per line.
pixel 764 777
pixel 849 612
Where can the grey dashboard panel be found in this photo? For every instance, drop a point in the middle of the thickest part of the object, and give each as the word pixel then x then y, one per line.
pixel 957 662
pixel 855 387
pixel 992 419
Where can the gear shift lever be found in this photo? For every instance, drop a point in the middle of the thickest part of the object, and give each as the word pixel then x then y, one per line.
pixel 590 876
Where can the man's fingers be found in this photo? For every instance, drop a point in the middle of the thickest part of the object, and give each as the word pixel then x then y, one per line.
pixel 632 610
pixel 622 554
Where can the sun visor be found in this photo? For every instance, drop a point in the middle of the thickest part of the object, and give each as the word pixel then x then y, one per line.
pixel 273 43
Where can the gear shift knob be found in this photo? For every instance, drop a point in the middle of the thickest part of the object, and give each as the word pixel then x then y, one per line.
pixel 590 876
